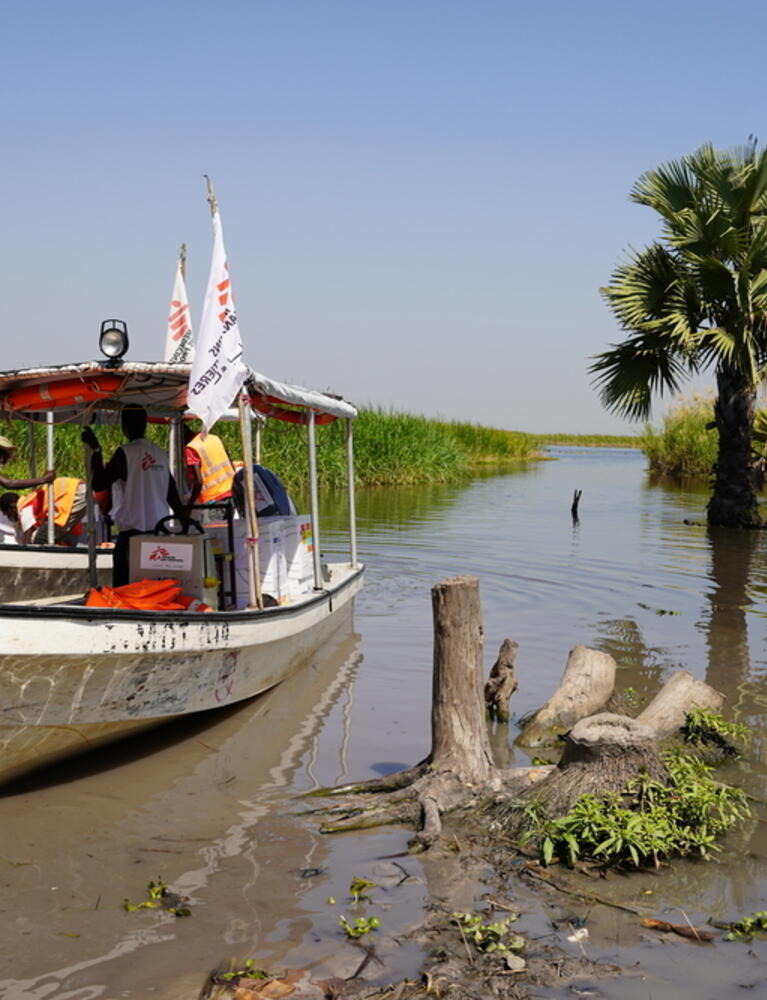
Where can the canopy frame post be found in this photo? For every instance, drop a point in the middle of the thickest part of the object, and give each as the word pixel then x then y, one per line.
pixel 350 482
pixel 255 597
pixel 314 505
pixel 51 489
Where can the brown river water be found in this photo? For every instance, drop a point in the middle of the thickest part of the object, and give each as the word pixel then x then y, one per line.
pixel 209 805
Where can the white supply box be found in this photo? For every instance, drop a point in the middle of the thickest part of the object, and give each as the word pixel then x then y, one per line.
pixel 284 556
pixel 186 558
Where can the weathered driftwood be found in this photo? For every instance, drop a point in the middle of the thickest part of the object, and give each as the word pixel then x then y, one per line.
pixel 586 685
pixel 602 754
pixel 460 762
pixel 682 692
pixel 501 683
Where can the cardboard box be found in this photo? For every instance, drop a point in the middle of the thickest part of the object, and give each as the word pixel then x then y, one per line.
pixel 271 557
pixel 186 558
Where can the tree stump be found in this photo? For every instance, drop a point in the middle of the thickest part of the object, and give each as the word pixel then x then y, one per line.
pixel 460 764
pixel 665 714
pixel 501 683
pixel 586 685
pixel 602 754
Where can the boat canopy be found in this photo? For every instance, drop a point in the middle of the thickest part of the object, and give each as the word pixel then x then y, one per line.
pixel 69 390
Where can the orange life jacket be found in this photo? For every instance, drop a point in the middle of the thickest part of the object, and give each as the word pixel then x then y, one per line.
pixel 64 491
pixel 216 470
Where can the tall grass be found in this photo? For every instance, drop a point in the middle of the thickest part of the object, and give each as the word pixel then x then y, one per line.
pixel 390 448
pixel 684 446
pixel 594 440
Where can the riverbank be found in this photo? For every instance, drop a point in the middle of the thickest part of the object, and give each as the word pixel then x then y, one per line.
pixel 392 448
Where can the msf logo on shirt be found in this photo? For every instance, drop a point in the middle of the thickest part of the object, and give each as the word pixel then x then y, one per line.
pixel 148 461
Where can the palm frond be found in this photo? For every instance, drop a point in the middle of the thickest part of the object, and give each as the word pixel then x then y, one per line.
pixel 629 373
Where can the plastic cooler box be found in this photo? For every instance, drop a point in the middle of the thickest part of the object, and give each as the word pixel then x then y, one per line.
pixel 186 558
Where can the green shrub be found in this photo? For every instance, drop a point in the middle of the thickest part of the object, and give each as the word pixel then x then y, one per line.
pixel 685 446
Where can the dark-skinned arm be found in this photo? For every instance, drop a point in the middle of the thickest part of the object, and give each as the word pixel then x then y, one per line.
pixel 24 484
pixel 103 476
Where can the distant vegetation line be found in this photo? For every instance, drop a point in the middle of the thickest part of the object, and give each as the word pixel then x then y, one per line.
pixel 391 448
pixel 593 440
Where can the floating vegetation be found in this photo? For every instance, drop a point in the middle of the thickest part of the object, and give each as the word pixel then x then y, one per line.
pixel 744 930
pixel 360 927
pixel 358 889
pixel 488 937
pixel 160 897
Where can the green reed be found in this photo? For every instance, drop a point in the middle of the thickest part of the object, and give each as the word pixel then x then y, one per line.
pixel 593 440
pixel 684 446
pixel 390 448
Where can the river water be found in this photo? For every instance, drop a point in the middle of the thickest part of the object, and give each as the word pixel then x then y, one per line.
pixel 210 805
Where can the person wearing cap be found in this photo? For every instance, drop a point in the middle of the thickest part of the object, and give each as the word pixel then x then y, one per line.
pixel 143 489
pixel 7 451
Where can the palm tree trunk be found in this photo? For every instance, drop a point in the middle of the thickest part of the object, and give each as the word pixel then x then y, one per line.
pixel 733 501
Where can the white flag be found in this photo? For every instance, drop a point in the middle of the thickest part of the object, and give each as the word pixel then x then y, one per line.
pixel 179 343
pixel 218 370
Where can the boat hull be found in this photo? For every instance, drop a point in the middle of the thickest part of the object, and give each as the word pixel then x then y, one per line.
pixel 89 676
pixel 31 572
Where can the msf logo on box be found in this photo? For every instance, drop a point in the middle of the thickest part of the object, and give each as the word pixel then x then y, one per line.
pixel 155 555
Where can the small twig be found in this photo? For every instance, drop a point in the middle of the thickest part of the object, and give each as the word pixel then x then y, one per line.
pixel 466 944
pixel 590 897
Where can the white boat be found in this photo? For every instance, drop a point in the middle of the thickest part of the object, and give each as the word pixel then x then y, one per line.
pixel 73 676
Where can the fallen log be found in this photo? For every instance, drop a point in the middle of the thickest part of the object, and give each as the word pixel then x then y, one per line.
pixel 682 692
pixel 586 685
pixel 501 683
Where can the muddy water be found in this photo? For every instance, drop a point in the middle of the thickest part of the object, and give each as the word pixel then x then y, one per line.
pixel 209 806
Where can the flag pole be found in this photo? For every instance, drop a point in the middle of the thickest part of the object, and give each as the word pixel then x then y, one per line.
pixel 255 597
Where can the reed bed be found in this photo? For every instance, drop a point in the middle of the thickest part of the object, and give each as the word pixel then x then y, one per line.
pixel 684 446
pixel 390 448
pixel 594 440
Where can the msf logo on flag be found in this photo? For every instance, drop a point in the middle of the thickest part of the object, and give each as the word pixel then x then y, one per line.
pixel 178 321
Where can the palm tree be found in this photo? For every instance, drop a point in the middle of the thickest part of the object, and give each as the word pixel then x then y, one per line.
pixel 697 300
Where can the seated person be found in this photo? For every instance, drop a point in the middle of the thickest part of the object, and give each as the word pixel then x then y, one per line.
pixel 271 496
pixel 209 470
pixel 7 451
pixel 69 507
pixel 10 528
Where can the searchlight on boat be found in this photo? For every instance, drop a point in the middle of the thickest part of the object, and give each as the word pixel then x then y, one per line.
pixel 113 339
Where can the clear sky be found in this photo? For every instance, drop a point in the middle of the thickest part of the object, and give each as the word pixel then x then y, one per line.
pixel 420 198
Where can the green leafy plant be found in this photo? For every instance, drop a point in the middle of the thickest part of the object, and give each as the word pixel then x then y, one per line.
pixel 360 927
pixel 160 897
pixel 704 726
pixel 488 937
pixel 650 821
pixel 248 971
pixel 358 889
pixel 747 927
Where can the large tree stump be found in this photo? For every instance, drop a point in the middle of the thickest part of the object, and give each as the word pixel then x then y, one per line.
pixel 501 684
pixel 459 740
pixel 665 714
pixel 460 764
pixel 602 754
pixel 586 685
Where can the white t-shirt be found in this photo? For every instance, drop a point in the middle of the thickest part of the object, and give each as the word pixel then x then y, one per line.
pixel 141 500
pixel 8 531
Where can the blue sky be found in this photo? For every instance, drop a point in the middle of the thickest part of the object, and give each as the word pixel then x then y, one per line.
pixel 420 200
